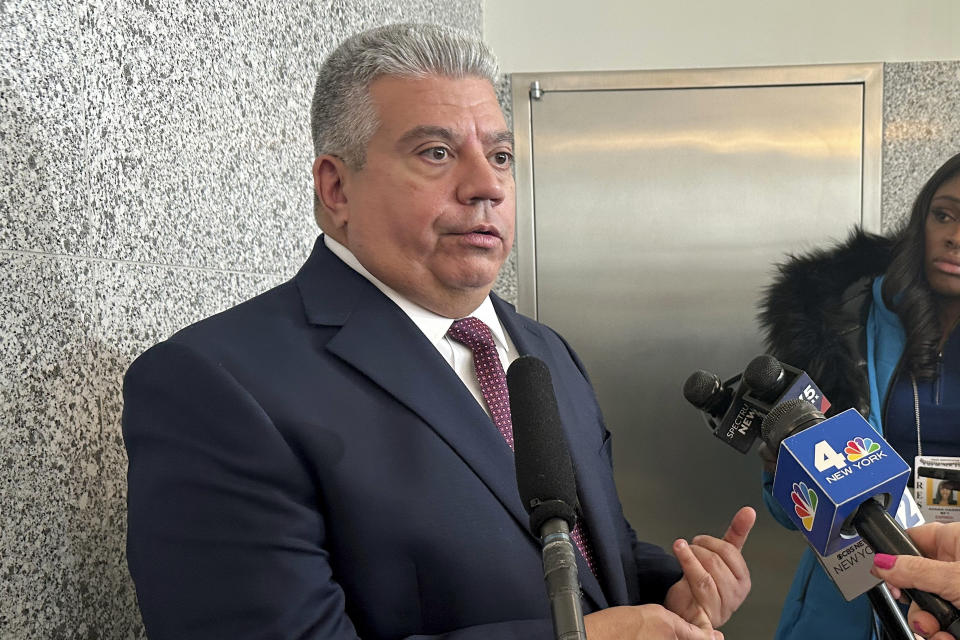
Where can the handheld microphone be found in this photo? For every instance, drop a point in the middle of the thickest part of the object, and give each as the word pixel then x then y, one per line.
pixel 547 487
pixel 766 376
pixel 834 497
pixel 733 413
pixel 766 382
pixel 770 383
pixel 706 392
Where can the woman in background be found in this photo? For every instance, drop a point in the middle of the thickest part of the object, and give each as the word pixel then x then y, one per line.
pixel 873 321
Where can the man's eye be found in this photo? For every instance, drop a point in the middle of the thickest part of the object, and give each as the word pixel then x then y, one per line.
pixel 436 153
pixel 502 158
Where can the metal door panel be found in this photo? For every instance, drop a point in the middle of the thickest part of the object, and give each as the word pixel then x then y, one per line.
pixel 658 214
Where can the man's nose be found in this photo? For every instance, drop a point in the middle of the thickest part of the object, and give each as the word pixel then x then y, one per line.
pixel 480 180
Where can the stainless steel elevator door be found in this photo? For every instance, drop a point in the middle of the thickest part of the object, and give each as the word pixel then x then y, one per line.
pixel 658 217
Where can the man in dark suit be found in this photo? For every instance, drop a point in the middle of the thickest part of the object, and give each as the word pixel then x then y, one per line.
pixel 331 459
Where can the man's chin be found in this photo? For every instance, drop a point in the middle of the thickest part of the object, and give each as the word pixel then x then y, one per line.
pixel 475 283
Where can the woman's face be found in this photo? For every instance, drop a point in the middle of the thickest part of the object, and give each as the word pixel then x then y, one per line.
pixel 944 492
pixel 942 231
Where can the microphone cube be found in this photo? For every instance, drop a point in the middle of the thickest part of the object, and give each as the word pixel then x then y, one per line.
pixel 826 472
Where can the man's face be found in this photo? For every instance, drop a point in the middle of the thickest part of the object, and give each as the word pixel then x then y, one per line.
pixel 431 213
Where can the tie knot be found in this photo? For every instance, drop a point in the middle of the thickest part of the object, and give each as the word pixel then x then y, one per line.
pixel 472 333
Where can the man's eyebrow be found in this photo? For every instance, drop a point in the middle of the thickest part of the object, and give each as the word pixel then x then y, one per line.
pixel 427 131
pixel 499 137
pixel 432 131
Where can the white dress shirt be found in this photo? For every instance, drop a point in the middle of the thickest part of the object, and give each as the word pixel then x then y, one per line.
pixel 435 327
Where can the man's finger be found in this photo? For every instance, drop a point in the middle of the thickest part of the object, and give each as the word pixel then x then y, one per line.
pixel 740 527
pixel 727 553
pixel 699 579
pixel 915 572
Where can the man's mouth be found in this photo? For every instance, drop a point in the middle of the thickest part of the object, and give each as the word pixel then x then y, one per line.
pixel 482 237
pixel 486 231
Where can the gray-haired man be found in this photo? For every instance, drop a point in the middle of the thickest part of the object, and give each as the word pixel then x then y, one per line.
pixel 320 461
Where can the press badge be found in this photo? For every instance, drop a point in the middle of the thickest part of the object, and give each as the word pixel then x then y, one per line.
pixel 937 487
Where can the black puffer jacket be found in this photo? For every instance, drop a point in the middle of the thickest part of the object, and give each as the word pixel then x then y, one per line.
pixel 814 315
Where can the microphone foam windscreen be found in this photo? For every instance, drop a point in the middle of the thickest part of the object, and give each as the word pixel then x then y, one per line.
pixel 788 418
pixel 699 387
pixel 764 375
pixel 544 470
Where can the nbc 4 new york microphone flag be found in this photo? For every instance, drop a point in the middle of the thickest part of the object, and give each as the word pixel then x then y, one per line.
pixel 825 472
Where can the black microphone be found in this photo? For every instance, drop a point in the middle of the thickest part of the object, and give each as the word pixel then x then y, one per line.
pixel 723 408
pixel 870 519
pixel 766 377
pixel 547 487
pixel 734 413
pixel 771 382
pixel 788 419
pixel 706 392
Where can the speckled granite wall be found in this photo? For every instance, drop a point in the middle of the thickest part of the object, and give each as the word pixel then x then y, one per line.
pixel 155 161
pixel 921 129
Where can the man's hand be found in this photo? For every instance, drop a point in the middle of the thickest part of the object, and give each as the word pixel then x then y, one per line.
pixel 715 576
pixel 645 622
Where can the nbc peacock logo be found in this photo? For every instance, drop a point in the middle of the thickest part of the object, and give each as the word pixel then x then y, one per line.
pixel 860 448
pixel 804 503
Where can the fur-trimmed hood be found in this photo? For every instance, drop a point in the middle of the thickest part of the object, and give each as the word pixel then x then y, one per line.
pixel 814 312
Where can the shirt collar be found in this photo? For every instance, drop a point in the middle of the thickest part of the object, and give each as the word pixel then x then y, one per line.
pixel 433 326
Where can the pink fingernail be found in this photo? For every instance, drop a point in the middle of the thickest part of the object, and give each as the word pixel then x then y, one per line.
pixel 919 629
pixel 883 561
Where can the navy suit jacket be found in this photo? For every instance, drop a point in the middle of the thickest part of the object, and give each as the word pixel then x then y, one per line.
pixel 307 465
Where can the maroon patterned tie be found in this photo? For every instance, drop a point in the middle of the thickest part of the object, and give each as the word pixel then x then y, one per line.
pixel 476 336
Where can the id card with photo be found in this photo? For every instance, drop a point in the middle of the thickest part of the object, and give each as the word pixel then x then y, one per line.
pixel 937 488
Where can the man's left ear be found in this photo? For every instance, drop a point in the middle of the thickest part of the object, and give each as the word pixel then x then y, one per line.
pixel 329 173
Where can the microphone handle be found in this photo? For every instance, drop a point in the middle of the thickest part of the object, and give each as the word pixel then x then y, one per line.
pixel 882 532
pixel 892 620
pixel 563 585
